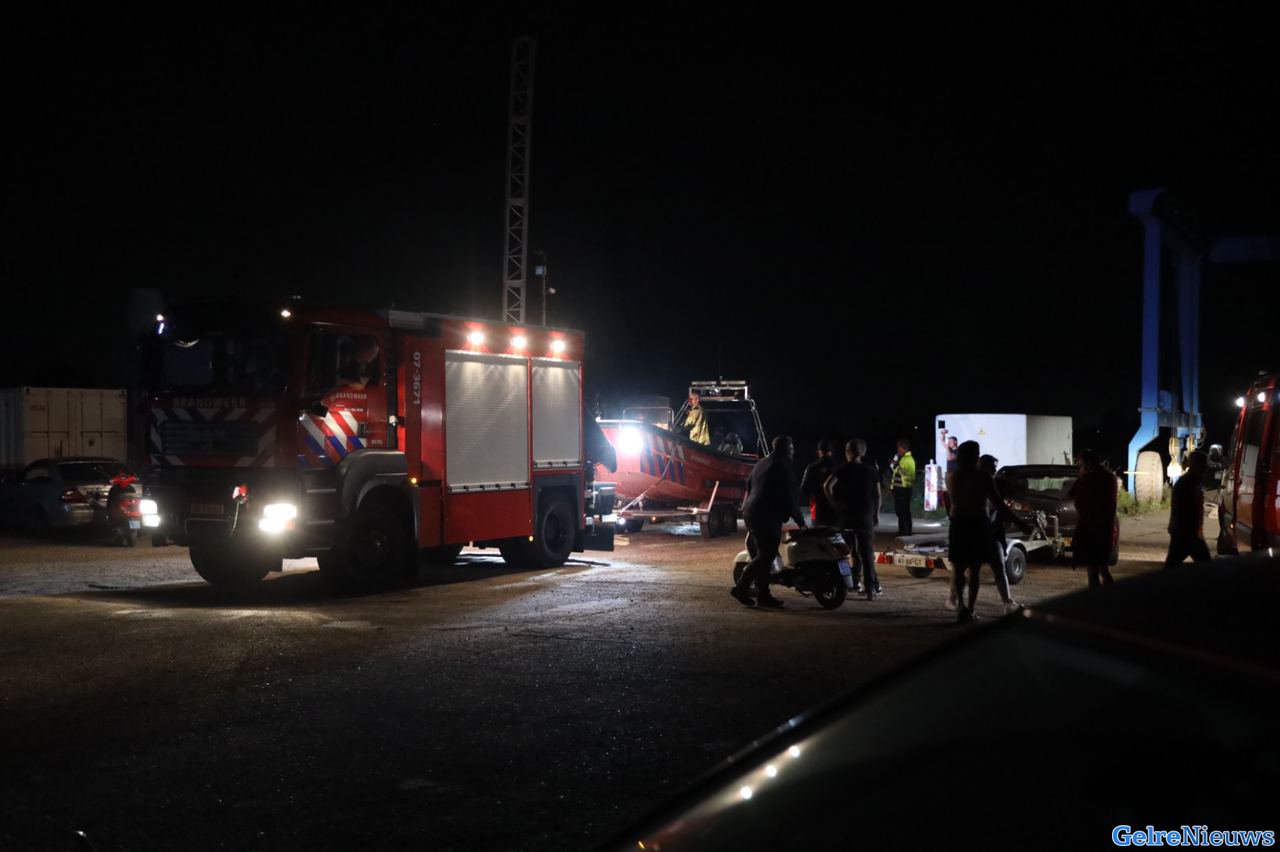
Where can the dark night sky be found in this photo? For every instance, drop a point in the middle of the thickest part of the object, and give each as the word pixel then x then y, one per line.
pixel 782 198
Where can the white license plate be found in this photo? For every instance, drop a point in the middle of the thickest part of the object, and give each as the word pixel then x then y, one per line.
pixel 845 570
pixel 910 560
pixel 135 525
pixel 206 508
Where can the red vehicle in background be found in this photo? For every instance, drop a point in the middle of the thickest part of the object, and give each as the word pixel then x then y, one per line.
pixel 362 437
pixel 1249 500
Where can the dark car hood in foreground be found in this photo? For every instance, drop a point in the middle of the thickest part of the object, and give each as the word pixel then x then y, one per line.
pixel 1152 702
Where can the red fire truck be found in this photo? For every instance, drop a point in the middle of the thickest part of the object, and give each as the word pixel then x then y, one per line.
pixel 361 438
pixel 1249 500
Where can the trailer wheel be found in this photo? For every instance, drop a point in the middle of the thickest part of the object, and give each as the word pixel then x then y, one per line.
pixel 1015 565
pixel 377 550
pixel 634 525
pixel 919 572
pixel 228 568
pixel 728 519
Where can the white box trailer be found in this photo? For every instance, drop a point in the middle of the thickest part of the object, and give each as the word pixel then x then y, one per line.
pixel 1014 439
pixel 38 423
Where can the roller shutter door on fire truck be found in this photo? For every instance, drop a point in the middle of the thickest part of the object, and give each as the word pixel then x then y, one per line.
pixel 557 402
pixel 486 421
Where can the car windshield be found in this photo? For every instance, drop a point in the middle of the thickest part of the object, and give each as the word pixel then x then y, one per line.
pixel 1038 484
pixel 89 473
pixel 220 363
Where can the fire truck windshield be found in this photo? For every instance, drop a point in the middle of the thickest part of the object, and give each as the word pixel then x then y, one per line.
pixel 221 363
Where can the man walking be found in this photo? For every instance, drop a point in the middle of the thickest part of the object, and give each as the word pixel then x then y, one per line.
pixel 770 501
pixel 1186 514
pixel 854 489
pixel 821 512
pixel 1094 496
pixel 904 479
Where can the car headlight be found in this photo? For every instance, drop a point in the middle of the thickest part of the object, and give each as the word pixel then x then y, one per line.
pixel 148 507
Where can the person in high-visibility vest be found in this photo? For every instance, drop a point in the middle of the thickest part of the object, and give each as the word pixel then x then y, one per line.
pixel 696 420
pixel 904 479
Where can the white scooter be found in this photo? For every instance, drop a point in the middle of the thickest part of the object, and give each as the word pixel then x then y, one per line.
pixel 813 561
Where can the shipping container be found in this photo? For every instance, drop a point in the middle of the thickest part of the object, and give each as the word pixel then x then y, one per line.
pixel 38 423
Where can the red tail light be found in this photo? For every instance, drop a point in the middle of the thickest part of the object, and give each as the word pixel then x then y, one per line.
pixel 71 495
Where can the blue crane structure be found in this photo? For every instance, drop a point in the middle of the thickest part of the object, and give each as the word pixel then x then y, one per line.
pixel 1176 251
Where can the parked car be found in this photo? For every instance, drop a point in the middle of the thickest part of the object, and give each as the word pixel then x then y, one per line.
pixel 58 494
pixel 1150 704
pixel 1032 488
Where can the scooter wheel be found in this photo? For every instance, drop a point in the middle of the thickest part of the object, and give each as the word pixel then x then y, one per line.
pixel 738 569
pixel 832 592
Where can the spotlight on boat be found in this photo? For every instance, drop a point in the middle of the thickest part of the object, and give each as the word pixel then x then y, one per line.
pixel 630 440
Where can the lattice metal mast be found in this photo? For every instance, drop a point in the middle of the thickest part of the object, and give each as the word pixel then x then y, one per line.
pixel 520 112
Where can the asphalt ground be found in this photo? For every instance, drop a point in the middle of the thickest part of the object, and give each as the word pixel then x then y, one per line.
pixel 475 707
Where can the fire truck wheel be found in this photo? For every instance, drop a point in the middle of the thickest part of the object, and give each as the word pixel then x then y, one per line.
pixel 1015 565
pixel 446 554
pixel 224 568
pixel 553 537
pixel 377 551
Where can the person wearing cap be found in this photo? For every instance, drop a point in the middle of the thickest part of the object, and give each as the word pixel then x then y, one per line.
pixel 1186 514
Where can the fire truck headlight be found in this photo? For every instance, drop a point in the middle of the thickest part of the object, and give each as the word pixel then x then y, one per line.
pixel 476 338
pixel 1239 402
pixel 630 440
pixel 558 346
pixel 519 342
pixel 1262 396
pixel 277 517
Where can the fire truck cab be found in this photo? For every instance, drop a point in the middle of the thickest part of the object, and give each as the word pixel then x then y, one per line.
pixel 362 438
pixel 1249 500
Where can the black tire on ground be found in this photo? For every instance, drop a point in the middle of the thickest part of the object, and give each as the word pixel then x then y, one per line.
pixel 130 538
pixel 379 549
pixel 715 522
pixel 1015 565
pixel 634 525
pixel 832 590
pixel 738 569
pixel 445 554
pixel 37 523
pixel 919 572
pixel 728 519
pixel 228 568
pixel 553 534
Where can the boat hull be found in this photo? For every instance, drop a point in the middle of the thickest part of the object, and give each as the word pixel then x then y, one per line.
pixel 662 468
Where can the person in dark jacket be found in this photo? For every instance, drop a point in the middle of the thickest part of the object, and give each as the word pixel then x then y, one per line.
pixel 973 498
pixel 770 501
pixel 854 489
pixel 1186 514
pixel 1094 496
pixel 821 512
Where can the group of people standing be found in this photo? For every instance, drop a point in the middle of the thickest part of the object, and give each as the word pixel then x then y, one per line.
pixel 848 497
pixel 844 496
